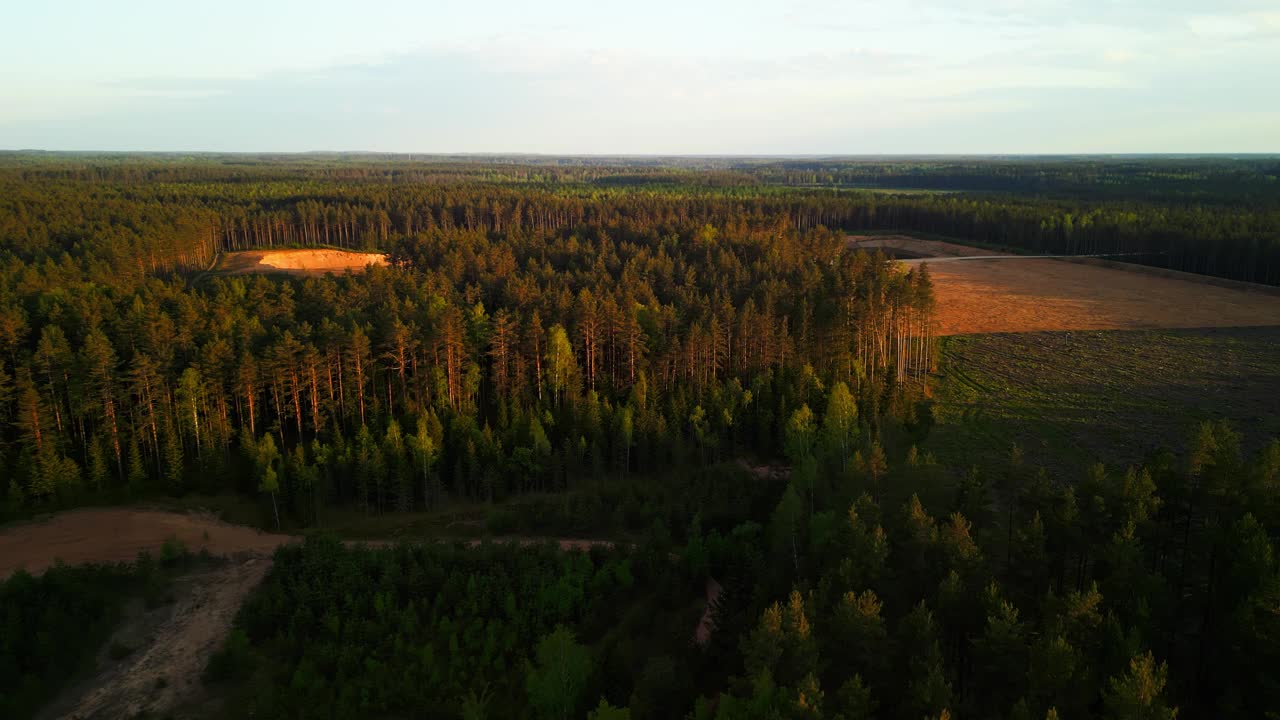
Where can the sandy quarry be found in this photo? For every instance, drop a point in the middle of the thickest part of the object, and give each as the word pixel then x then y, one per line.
pixel 298 262
pixel 1019 294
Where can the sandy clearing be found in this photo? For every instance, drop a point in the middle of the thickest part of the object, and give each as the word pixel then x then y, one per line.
pixel 1027 295
pixel 298 262
pixel 105 535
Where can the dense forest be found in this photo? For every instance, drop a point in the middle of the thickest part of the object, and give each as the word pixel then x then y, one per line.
pixel 536 321
pixel 1144 593
pixel 481 363
pixel 678 356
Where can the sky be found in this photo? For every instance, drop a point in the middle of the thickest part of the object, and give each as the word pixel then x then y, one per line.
pixel 649 77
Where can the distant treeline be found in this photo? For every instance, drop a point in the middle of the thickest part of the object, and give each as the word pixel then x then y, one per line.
pixel 1213 216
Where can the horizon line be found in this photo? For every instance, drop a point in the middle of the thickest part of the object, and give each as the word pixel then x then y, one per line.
pixel 656 155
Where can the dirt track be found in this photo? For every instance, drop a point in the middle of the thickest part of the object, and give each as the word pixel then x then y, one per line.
pixel 298 262
pixel 172 645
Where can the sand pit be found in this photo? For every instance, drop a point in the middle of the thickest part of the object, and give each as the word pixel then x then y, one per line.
pixel 978 291
pixel 298 262
pixel 119 534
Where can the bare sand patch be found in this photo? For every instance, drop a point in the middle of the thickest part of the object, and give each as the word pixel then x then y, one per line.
pixel 108 535
pixel 171 645
pixel 298 262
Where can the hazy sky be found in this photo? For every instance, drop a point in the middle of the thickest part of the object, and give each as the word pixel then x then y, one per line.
pixel 811 76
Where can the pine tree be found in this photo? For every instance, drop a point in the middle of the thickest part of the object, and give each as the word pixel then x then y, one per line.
pixel 137 471
pixel 557 679
pixel 1139 693
pixel 840 423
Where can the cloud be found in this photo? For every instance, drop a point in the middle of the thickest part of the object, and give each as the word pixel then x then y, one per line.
pixel 832 77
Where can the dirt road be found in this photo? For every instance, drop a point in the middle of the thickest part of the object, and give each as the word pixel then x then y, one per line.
pixel 171 645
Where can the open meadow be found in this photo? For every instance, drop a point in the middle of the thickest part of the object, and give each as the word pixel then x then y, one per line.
pixel 1071 398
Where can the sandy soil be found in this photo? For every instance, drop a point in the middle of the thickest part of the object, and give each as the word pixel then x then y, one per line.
pixel 298 262
pixel 119 534
pixel 171 645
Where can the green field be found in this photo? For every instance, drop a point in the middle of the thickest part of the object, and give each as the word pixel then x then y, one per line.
pixel 1072 398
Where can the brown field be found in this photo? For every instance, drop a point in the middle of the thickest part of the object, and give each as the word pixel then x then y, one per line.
pixel 298 262
pixel 106 535
pixel 1018 294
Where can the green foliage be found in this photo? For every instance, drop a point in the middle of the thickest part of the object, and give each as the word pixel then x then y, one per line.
pixel 1138 694
pixel 586 348
pixel 557 681
pixel 54 624
pixel 1070 399
pixel 482 632
pixel 234 661
pixel 605 711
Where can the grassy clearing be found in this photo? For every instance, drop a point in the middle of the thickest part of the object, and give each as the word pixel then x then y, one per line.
pixel 1072 398
pixel 920 235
